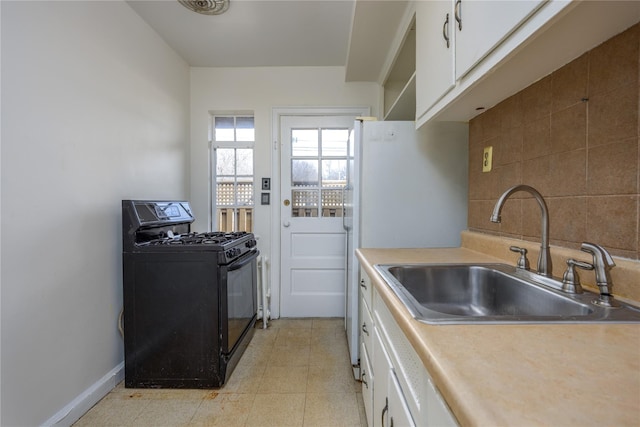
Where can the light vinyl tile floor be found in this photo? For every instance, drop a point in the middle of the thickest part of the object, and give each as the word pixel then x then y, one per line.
pixel 295 373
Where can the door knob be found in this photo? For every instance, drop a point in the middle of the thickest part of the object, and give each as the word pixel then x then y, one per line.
pixel 286 223
pixel 286 202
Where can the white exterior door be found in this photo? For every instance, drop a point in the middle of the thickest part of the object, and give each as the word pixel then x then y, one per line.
pixel 313 175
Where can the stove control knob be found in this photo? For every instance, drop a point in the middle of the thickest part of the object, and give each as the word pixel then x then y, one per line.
pixel 232 253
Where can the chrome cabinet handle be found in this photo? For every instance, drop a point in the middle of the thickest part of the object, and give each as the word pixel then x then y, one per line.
pixel 457 14
pixel 364 329
pixel 362 284
pixel 364 375
pixel 445 30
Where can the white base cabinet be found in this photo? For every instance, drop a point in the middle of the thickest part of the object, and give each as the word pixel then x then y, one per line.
pixel 398 414
pixel 396 388
pixel 366 376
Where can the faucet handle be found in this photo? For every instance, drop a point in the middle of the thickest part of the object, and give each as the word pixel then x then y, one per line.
pixel 570 279
pixel 523 262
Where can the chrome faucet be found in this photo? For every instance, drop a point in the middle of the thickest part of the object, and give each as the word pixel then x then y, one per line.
pixel 602 264
pixel 544 258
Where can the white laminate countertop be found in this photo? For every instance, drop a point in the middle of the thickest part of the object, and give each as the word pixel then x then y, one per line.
pixel 520 375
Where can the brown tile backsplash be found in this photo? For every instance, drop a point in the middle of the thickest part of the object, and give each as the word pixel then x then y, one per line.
pixel 569 128
pixel 536 100
pixel 615 63
pixel 536 138
pixel 612 221
pixel 575 137
pixel 613 116
pixel 613 168
pixel 569 84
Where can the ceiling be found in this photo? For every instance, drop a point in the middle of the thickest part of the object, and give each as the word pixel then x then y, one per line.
pixel 261 33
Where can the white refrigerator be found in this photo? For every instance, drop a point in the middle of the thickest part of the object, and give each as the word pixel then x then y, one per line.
pixel 405 189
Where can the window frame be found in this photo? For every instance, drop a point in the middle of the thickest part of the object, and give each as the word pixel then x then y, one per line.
pixel 213 146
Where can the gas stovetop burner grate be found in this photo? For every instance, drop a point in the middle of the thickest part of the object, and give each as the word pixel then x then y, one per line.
pixel 208 238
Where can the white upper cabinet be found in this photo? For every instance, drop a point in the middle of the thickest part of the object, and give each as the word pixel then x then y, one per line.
pixel 481 25
pixel 435 47
pixel 499 47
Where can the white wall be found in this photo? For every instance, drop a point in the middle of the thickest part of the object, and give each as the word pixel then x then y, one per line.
pixel 95 109
pixel 259 90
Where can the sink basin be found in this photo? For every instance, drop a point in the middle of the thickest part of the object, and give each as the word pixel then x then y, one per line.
pixel 492 293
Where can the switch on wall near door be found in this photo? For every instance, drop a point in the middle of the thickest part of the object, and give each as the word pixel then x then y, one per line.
pixel 266 183
pixel 265 198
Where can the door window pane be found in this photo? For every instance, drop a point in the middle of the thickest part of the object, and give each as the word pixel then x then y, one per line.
pixel 304 142
pixel 334 142
pixel 334 173
pixel 332 203
pixel 319 163
pixel 304 172
pixel 304 203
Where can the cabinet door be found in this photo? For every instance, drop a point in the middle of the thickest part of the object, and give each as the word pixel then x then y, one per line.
pixel 484 24
pixel 434 55
pixel 367 379
pixel 399 415
pixel 438 413
pixel 381 368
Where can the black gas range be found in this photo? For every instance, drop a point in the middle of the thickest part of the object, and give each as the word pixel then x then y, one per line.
pixel 189 298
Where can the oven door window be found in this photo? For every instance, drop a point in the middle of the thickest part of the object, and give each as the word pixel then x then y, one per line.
pixel 241 299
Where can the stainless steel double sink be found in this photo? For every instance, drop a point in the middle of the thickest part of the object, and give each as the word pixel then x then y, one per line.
pixel 493 293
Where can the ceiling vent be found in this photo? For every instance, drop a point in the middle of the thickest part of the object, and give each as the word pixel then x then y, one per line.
pixel 206 7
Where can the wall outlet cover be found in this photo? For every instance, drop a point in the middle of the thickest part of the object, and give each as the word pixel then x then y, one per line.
pixel 487 159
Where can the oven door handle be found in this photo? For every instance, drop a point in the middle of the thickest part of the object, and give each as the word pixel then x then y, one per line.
pixel 238 264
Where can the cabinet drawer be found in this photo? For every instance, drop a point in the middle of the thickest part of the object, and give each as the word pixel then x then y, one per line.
pixel 366 325
pixel 366 290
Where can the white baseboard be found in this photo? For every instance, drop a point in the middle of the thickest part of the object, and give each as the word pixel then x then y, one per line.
pixel 81 404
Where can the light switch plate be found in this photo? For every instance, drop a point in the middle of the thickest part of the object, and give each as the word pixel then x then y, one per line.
pixel 487 159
